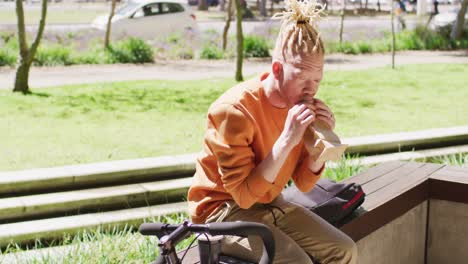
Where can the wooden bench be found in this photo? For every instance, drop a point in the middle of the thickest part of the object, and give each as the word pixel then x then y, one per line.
pixel 404 201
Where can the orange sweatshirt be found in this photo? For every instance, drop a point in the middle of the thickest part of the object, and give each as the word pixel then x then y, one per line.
pixel 241 130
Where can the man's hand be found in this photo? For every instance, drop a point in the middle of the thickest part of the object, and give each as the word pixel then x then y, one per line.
pixel 315 165
pixel 299 118
pixel 324 113
pixel 321 110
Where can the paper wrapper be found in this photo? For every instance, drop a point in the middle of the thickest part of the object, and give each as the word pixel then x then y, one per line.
pixel 322 143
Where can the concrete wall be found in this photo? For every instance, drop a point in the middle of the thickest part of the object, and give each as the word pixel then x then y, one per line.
pixel 400 241
pixel 448 232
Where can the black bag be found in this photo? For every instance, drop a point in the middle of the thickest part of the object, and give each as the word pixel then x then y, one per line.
pixel 330 200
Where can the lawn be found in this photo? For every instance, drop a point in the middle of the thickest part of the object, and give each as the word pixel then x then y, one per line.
pixel 127 120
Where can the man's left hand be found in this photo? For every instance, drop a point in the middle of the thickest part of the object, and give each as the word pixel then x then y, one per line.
pixel 323 112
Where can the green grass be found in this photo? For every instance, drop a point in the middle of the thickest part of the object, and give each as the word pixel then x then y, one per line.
pixel 459 159
pixel 100 245
pixel 126 120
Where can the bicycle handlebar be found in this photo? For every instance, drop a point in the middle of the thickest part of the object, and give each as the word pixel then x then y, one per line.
pixel 223 228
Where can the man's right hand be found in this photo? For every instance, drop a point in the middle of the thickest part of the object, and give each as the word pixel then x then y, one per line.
pixel 299 118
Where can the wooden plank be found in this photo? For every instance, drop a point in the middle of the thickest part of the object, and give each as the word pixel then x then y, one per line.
pixel 374 172
pixel 452 174
pixel 448 190
pixel 447 176
pixel 374 219
pixel 391 177
pixel 456 168
pixel 403 184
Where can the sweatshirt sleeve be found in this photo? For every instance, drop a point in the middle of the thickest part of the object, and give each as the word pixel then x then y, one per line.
pixel 303 177
pixel 229 136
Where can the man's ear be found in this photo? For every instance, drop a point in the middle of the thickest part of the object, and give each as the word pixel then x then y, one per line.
pixel 277 70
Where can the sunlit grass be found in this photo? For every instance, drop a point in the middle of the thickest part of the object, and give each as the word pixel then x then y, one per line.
pixel 100 245
pixel 136 119
pixel 459 159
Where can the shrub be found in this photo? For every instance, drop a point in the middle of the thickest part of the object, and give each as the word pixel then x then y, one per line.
pixel 211 53
pixel 364 47
pixel 132 50
pixel 381 45
pixel 96 55
pixel 53 55
pixel 348 48
pixel 7 57
pixel 421 38
pixel 177 46
pixel 256 47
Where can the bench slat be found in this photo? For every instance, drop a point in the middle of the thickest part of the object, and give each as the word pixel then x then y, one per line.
pixel 389 178
pixel 374 172
pixel 451 175
pixel 404 183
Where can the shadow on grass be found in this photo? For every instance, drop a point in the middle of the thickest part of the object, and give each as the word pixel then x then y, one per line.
pixel 46 95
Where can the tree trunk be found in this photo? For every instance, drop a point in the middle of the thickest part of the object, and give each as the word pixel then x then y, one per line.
pixel 240 41
pixel 393 34
pixel 26 55
pixel 222 5
pixel 457 29
pixel 109 23
pixel 203 5
pixel 22 78
pixel 263 9
pixel 272 7
pixel 378 6
pixel 342 21
pixel 227 25
pixel 365 5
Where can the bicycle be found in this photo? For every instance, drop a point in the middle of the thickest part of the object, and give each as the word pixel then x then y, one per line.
pixel 170 235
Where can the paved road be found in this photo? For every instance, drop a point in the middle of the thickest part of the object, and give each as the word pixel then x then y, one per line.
pixel 355 28
pixel 41 77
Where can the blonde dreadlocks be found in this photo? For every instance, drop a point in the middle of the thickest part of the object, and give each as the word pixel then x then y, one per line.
pixel 299 34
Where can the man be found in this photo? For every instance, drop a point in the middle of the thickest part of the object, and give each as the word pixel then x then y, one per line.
pixel 254 145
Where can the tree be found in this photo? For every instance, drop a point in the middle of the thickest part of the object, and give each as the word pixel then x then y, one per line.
pixel 203 5
pixel 26 54
pixel 227 25
pixel 262 8
pixel 392 13
pixel 342 20
pixel 272 7
pixel 457 29
pixel 109 23
pixel 240 41
pixel 222 5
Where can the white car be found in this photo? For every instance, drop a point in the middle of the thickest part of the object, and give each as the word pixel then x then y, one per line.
pixel 149 19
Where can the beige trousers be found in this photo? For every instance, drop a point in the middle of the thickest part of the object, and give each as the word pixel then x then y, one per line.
pixel 298 234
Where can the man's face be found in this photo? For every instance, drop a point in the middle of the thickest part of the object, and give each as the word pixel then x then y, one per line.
pixel 301 80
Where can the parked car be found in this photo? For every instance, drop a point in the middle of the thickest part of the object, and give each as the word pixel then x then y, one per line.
pixel 209 2
pixel 447 19
pixel 149 19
